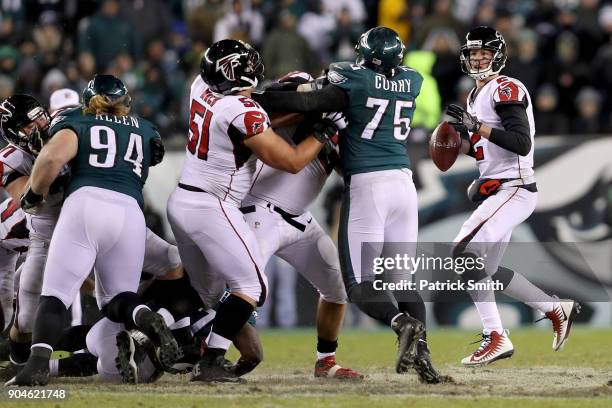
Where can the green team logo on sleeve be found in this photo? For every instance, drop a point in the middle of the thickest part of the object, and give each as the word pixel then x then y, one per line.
pixel 379 114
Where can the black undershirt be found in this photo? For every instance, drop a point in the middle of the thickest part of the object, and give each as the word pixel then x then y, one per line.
pixel 515 135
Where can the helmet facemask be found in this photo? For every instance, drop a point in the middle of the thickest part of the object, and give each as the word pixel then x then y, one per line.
pixel 497 47
pixel 28 125
pixel 254 69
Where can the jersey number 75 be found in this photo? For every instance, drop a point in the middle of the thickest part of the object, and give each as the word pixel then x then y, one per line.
pixel 401 124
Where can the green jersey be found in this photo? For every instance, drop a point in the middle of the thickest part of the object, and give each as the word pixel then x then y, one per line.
pixel 379 114
pixel 114 151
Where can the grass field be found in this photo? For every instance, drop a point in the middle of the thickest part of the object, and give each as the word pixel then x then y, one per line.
pixel 579 376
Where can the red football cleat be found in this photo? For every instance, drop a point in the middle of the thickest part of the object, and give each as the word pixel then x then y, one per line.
pixel 562 317
pixel 328 368
pixel 494 346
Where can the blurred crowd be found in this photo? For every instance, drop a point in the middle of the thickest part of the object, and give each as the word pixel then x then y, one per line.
pixel 560 49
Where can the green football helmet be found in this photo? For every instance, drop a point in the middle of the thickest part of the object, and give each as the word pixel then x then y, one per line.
pixel 380 49
pixel 108 85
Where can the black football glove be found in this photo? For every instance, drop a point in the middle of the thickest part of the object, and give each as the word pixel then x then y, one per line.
pixel 157 151
pixel 31 199
pixel 36 142
pixel 462 117
pixel 324 129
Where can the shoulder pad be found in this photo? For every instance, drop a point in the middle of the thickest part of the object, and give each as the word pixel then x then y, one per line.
pixel 509 91
pixel 341 72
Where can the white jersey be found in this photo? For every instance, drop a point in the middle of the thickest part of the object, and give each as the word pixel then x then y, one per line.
pixel 217 159
pixel 14 234
pixel 290 192
pixel 495 161
pixel 15 163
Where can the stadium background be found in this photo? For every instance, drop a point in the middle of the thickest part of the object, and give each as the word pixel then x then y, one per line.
pixel 561 50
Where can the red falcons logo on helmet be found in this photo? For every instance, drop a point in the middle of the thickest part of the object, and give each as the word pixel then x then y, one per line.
pixel 227 64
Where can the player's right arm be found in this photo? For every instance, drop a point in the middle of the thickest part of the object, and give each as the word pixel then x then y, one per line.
pixel 54 155
pixel 272 149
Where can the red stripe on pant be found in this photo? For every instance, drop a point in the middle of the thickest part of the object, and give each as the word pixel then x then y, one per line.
pixel 263 295
pixel 462 244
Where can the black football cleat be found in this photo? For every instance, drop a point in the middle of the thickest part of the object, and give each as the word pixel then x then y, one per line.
pixel 126 358
pixel 34 373
pixel 189 355
pixel 133 347
pixel 214 370
pixel 408 330
pixel 423 366
pixel 153 325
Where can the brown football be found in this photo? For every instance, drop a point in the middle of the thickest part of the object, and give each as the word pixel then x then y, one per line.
pixel 444 146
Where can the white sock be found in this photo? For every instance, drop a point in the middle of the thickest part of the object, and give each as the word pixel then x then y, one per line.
pixel 395 317
pixel 136 309
pixel 53 367
pixel 543 307
pixel 489 315
pixel 216 341
pixel 321 356
pixel 168 318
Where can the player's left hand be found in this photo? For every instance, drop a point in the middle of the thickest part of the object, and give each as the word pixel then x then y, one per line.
pixel 338 118
pixel 324 129
pixel 31 199
pixel 157 151
pixel 36 142
pixel 462 117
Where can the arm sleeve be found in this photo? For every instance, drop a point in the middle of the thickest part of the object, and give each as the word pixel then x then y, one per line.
pixel 515 135
pixel 329 99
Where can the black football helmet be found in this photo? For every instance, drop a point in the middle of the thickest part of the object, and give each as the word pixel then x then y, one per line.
pixel 230 66
pixel 17 113
pixel 484 38
pixel 380 49
pixel 108 85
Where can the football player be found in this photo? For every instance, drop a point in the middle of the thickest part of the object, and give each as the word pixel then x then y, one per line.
pixel 276 208
pixel 25 124
pixel 101 222
pixel 228 132
pixel 14 239
pixel 377 96
pixel 498 131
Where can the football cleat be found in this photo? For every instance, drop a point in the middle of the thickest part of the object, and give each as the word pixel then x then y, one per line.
pixel 34 373
pixel 562 317
pixel 493 347
pixel 328 368
pixel 214 370
pixel 126 358
pixel 408 330
pixel 423 366
pixel 189 355
pixel 133 347
pixel 153 325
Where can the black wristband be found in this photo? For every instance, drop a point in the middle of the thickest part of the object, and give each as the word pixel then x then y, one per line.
pixel 30 199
